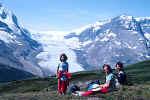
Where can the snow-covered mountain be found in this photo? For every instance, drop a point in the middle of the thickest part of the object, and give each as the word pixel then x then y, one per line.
pixel 123 38
pixel 17 49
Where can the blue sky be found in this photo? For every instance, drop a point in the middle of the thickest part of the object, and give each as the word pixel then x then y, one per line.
pixel 66 15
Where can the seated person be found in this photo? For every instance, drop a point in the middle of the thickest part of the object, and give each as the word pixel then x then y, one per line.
pixel 109 84
pixel 121 75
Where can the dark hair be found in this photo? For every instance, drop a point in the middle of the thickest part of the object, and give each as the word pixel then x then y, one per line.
pixel 120 64
pixel 108 66
pixel 63 54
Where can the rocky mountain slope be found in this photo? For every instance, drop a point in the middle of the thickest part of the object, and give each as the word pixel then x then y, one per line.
pixel 17 49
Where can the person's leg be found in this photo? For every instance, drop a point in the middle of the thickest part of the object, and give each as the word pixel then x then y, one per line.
pixel 79 93
pixel 104 90
pixel 63 87
pixel 59 82
pixel 87 93
pixel 59 86
pixel 67 82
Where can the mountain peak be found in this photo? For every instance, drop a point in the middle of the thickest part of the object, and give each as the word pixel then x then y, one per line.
pixel 7 17
pixel 125 17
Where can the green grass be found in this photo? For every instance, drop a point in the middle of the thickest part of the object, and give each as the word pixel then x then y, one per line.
pixel 45 88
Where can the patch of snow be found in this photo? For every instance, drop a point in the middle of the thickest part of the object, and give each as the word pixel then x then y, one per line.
pixel 117 55
pixel 117 43
pixel 130 47
pixel 134 32
pixel 86 42
pixel 97 28
pixel 147 56
pixel 107 31
pixel 111 34
pixel 78 31
pixel 100 23
pixel 72 43
pixel 104 39
pixel 142 18
pixel 97 39
pixel 140 54
pixel 134 47
pixel 124 17
pixel 141 39
pixel 147 35
pixel 5 37
pixel 110 47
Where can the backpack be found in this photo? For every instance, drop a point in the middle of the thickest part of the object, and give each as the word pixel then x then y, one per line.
pixel 90 86
pixel 74 88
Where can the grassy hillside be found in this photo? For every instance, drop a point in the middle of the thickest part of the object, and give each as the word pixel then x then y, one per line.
pixel 45 88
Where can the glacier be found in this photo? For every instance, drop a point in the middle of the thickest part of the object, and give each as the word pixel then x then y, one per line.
pixel 123 38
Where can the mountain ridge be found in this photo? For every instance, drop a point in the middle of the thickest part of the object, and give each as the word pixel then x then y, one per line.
pixel 18 50
pixel 123 38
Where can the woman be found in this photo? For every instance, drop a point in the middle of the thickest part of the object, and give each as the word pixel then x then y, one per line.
pixel 121 75
pixel 62 74
pixel 109 83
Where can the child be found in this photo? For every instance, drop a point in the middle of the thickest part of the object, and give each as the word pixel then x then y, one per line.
pixel 62 74
pixel 121 75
